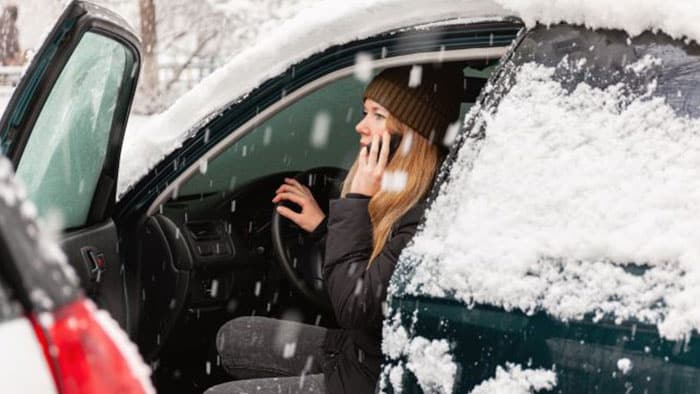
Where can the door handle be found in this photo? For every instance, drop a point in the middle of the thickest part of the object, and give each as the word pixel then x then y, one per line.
pixel 95 262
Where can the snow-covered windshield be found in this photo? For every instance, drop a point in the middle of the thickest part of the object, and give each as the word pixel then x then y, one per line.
pixel 576 188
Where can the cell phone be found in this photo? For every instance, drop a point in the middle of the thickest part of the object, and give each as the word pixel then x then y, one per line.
pixel 394 142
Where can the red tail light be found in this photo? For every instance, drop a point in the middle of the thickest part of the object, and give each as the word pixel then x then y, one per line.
pixel 89 354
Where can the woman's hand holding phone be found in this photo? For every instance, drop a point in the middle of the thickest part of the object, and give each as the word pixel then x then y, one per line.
pixel 311 214
pixel 371 164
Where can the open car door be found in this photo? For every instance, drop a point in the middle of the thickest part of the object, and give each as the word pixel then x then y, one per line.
pixel 63 130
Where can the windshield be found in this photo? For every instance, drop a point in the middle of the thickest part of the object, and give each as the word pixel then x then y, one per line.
pixel 575 190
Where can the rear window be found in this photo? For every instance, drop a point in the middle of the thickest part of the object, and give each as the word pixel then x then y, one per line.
pixel 575 190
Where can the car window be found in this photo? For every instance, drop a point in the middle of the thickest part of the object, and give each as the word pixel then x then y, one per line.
pixel 64 155
pixel 295 139
pixel 316 131
pixel 564 219
pixel 570 160
pixel 652 64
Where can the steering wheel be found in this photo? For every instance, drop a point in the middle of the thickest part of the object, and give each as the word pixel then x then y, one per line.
pixel 299 256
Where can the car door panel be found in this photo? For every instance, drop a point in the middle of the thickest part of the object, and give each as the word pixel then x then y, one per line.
pixel 63 130
pixel 584 355
pixel 94 254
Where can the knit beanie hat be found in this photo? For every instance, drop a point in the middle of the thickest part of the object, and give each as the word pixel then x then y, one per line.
pixel 428 104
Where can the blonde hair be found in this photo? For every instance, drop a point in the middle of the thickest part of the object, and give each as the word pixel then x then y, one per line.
pixel 419 161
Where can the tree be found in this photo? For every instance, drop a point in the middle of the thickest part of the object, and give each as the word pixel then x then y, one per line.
pixel 149 81
pixel 183 40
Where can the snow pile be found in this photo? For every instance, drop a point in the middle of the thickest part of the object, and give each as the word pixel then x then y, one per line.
pixel 394 338
pixel 311 31
pixel 432 364
pixel 396 378
pixel 429 360
pixel 515 380
pixel 574 203
pixel 678 18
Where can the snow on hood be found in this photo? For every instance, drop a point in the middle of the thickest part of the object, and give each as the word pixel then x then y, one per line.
pixel 581 202
pixel 678 18
pixel 311 31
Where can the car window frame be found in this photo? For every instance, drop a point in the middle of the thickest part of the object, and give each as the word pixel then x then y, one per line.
pixel 250 125
pixel 139 198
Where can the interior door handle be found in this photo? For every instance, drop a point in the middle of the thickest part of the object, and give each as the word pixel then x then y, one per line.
pixel 95 263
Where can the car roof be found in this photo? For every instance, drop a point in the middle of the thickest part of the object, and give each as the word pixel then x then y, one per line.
pixel 311 31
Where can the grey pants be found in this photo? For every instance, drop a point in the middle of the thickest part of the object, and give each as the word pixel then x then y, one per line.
pixel 273 356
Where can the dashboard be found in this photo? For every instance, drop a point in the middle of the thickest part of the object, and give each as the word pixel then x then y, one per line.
pixel 203 252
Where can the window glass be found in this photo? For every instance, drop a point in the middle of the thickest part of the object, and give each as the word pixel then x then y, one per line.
pixel 564 222
pixel 585 150
pixel 63 158
pixel 648 65
pixel 318 130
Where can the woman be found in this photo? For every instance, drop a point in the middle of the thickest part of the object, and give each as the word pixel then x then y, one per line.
pixel 365 231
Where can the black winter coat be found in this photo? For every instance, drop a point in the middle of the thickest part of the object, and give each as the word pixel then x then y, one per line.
pixel 357 294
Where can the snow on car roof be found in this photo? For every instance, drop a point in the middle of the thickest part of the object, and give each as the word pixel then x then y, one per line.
pixel 340 22
pixel 678 18
pixel 311 31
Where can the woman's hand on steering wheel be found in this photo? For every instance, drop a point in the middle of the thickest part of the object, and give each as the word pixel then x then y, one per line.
pixel 311 214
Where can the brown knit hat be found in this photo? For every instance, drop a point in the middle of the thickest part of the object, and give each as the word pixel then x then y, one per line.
pixel 428 108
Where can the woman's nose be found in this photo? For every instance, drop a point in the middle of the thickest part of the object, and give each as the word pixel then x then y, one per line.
pixel 360 127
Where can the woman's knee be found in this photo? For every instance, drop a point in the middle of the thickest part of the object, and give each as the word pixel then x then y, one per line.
pixel 240 340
